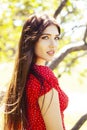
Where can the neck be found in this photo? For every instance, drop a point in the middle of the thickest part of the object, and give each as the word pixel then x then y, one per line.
pixel 40 62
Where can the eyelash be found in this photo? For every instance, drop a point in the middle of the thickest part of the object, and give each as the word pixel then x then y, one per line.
pixel 46 37
pixel 56 38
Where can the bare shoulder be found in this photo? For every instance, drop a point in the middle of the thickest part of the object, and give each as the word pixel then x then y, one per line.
pixel 51 110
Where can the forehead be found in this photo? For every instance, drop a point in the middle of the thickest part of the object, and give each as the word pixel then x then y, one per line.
pixel 51 29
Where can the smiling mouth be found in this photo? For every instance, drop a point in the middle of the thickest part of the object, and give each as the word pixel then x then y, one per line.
pixel 51 53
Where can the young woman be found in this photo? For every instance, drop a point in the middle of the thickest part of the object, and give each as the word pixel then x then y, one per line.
pixel 34 100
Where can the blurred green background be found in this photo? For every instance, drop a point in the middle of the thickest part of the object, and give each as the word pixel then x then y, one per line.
pixel 72 70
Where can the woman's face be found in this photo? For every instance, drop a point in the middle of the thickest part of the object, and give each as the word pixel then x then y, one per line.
pixel 47 44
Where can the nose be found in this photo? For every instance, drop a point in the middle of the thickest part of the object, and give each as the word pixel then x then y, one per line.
pixel 53 44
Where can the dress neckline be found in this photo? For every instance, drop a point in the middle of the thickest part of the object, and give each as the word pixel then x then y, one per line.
pixel 36 65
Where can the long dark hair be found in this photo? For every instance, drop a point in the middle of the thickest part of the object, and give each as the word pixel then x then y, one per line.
pixel 15 105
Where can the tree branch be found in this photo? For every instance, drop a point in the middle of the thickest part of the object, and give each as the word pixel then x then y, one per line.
pixel 69 65
pixel 85 35
pixel 59 9
pixel 80 122
pixel 74 59
pixel 65 51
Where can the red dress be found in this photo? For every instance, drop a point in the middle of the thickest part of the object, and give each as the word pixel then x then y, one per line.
pixel 35 89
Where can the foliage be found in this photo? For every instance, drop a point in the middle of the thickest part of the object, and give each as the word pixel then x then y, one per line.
pixel 72 21
pixel 12 16
pixel 14 13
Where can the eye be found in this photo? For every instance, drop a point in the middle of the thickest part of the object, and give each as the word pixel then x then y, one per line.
pixel 56 38
pixel 45 37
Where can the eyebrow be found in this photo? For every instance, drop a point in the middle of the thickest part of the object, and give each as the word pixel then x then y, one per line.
pixel 50 34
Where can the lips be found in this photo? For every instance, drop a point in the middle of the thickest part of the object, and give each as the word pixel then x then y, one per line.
pixel 50 53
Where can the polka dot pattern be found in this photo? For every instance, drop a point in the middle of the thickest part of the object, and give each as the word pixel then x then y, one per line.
pixel 34 90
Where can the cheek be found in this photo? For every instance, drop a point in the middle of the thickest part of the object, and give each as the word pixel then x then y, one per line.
pixel 39 49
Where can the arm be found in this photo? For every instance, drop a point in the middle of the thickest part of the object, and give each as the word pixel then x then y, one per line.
pixel 52 117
